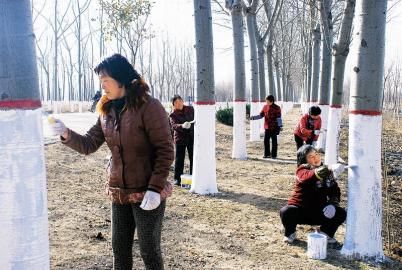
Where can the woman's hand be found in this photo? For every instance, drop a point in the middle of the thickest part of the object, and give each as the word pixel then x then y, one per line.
pixel 322 172
pixel 329 211
pixel 57 127
pixel 151 200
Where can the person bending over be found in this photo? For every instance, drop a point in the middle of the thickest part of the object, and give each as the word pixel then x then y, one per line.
pixel 315 197
pixel 308 128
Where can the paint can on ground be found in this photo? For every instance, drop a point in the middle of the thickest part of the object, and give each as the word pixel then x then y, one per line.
pixel 316 246
pixel 186 180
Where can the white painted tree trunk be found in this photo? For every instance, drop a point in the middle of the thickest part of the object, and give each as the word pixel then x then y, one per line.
pixel 23 213
pixel 251 30
pixel 364 220
pixel 324 123
pixel 325 74
pixel 204 158
pixel 363 226
pixel 239 131
pixel 255 124
pixel 239 150
pixel 333 133
pixel 262 121
pixel 24 236
pixel 340 52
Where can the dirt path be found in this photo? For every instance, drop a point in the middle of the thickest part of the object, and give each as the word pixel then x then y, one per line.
pixel 236 229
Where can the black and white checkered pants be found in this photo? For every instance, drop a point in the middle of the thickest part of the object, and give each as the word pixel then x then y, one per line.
pixel 125 220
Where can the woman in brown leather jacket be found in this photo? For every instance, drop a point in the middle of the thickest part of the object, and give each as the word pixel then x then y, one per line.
pixel 136 129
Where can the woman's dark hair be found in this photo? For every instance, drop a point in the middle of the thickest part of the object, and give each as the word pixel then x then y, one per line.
pixel 118 68
pixel 270 98
pixel 314 110
pixel 175 97
pixel 302 154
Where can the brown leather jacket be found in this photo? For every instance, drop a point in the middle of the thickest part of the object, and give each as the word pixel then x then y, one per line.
pixel 141 146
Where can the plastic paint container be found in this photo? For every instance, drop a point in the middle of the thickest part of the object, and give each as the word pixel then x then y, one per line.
pixel 316 246
pixel 186 180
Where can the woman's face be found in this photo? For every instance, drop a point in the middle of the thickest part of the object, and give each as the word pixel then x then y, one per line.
pixel 111 87
pixel 314 158
pixel 178 104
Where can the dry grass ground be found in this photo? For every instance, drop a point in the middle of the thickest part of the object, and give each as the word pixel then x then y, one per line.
pixel 239 228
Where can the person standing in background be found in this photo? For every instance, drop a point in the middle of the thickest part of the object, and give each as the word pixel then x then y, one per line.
pixel 181 122
pixel 272 125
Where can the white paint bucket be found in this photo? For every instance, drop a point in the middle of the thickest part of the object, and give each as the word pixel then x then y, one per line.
pixel 316 246
pixel 186 181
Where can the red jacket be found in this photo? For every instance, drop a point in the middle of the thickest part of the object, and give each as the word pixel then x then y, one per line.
pixel 271 114
pixel 311 192
pixel 306 126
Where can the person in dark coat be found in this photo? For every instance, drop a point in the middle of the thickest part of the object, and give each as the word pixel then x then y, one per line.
pixel 315 198
pixel 135 127
pixel 182 124
pixel 272 125
pixel 308 128
pixel 95 100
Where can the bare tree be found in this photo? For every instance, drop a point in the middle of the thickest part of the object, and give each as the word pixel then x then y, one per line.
pixel 250 13
pixel 364 179
pixel 204 173
pixel 23 198
pixel 340 51
pixel 239 103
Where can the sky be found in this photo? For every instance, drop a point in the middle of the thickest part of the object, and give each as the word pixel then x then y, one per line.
pixel 181 26
pixel 174 18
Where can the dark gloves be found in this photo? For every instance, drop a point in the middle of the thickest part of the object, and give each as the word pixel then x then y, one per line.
pixel 256 117
pixel 322 172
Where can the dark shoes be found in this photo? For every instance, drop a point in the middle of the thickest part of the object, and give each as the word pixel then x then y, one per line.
pixel 266 156
pixel 177 182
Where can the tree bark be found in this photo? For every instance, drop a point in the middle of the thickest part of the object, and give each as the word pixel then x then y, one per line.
pixel 363 237
pixel 204 171
pixel 239 103
pixel 255 99
pixel 340 51
pixel 24 232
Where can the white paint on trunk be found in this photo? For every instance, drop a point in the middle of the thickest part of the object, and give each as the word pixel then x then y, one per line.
pixel 255 124
pixel 204 165
pixel 239 130
pixel 304 107
pixel 364 220
pixel 333 132
pixel 286 107
pixel 24 242
pixel 262 121
pixel 324 121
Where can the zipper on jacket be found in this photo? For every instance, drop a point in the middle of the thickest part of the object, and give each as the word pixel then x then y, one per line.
pixel 121 147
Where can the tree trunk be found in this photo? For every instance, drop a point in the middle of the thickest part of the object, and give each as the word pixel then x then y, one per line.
pixel 55 56
pixel 255 99
pixel 325 76
pixel 24 232
pixel 364 220
pixel 315 73
pixel 239 103
pixel 340 52
pixel 204 171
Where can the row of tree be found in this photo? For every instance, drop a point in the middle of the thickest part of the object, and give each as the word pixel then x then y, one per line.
pixel 79 34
